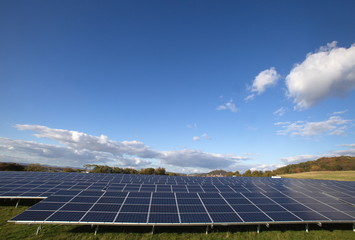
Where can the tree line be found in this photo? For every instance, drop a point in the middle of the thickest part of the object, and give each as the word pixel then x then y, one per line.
pixel 342 163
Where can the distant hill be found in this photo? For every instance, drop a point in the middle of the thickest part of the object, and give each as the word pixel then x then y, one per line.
pixel 214 173
pixel 342 163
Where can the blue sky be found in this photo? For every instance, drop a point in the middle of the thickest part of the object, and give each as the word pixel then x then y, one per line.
pixel 186 85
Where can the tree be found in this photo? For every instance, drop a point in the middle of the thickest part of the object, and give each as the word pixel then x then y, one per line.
pixel 11 167
pixel 35 167
pixel 247 173
pixel 160 171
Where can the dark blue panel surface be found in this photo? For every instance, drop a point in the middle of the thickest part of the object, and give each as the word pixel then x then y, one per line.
pixel 188 201
pixel 339 216
pixel 238 201
pixel 213 201
pixel 310 216
pixel 271 208
pixel 76 207
pixel 166 201
pixel 135 208
pixel 84 199
pixel 32 216
pixel 245 208
pixel 111 200
pixel 191 208
pixel 225 217
pixel 218 208
pixel 195 218
pixel 46 206
pixel 137 201
pixel 283 216
pixel 106 207
pixel 66 216
pixel 254 217
pixel 163 218
pixel 163 209
pixel 99 217
pixel 131 218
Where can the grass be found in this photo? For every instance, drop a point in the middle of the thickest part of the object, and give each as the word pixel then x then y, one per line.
pixel 11 231
pixel 324 175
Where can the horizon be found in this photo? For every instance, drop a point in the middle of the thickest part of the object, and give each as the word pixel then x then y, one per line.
pixel 187 86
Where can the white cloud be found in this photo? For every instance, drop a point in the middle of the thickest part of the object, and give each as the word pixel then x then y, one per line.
pixel 280 112
pixel 348 145
pixel 340 112
pixel 196 158
pixel 329 72
pixel 299 158
pixel 197 138
pixel 79 148
pixel 266 167
pixel 263 80
pixel 335 125
pixel 228 106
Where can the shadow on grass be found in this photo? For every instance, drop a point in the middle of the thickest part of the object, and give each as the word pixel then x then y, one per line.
pixel 21 202
pixel 202 229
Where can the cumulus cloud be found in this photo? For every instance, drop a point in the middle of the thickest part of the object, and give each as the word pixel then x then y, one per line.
pixel 263 80
pixel 334 125
pixel 228 106
pixel 280 112
pixel 326 73
pixel 78 149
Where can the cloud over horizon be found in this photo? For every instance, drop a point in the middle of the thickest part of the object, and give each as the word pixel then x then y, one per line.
pixel 326 73
pixel 334 125
pixel 80 148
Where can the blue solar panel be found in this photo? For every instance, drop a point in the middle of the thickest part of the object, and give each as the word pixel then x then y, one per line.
pixel 195 218
pixel 76 207
pixel 142 199
pixel 85 199
pixel 245 208
pixel 132 218
pixel 310 216
pixel 255 217
pixel 163 218
pixel 283 216
pixel 46 206
pixel 218 208
pixel 192 209
pixel 66 216
pixel 98 217
pixel 135 208
pixel 225 217
pixel 163 209
pixel 163 201
pixel 137 200
pixel 32 216
pixel 106 207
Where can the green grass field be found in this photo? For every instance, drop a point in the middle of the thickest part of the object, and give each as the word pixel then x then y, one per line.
pixel 11 231
pixel 325 175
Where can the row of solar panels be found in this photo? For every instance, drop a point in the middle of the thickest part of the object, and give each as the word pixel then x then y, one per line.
pixel 201 201
pixel 179 208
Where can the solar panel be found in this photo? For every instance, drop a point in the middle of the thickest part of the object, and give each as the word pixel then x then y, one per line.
pixel 167 200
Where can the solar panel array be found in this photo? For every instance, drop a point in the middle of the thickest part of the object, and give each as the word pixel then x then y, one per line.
pixel 119 199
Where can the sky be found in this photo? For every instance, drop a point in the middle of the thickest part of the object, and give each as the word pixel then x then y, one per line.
pixel 190 86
